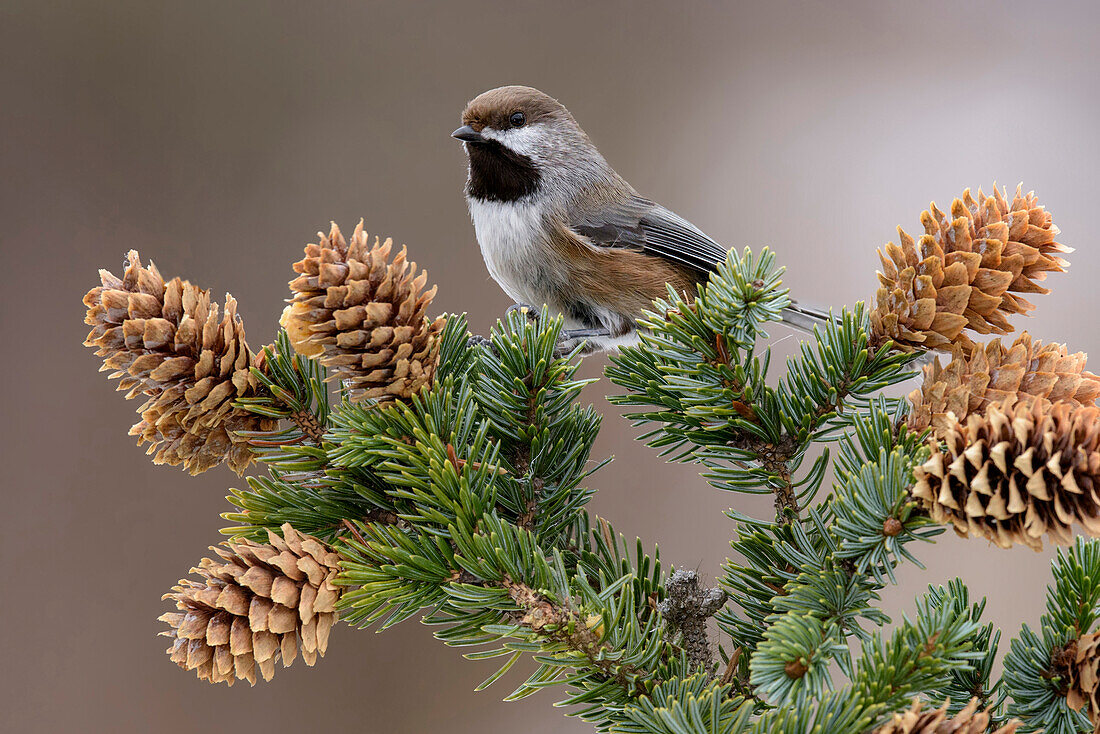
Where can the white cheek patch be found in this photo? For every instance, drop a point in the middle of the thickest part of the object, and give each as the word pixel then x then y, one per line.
pixel 523 140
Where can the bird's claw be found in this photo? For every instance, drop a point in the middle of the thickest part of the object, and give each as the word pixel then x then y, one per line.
pixel 570 339
pixel 477 340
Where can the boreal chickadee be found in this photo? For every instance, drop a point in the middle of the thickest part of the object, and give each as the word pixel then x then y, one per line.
pixel 558 226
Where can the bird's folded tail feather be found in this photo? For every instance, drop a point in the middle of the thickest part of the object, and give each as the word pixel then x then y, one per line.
pixel 804 317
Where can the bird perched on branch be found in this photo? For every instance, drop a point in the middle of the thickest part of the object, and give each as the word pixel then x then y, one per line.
pixel 558 226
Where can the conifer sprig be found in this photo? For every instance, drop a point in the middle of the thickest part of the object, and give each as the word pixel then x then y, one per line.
pixel 973 684
pixel 540 580
pixel 1035 677
pixel 698 377
pixel 298 489
pixel 529 398
pixel 921 651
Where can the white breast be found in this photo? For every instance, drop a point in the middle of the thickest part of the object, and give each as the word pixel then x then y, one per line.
pixel 512 240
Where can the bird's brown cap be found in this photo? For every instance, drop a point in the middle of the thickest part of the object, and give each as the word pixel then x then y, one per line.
pixel 494 108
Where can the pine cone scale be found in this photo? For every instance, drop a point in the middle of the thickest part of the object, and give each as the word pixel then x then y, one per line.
pixel 259 603
pixel 972 262
pixel 918 720
pixel 1024 469
pixel 189 359
pixel 361 314
pixel 1025 370
pixel 1078 662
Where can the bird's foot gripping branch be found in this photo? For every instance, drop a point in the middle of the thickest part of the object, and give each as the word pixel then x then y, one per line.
pixel 448 479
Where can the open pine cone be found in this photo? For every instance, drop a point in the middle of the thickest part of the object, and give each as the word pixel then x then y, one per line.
pixel 362 314
pixel 257 604
pixel 167 342
pixel 1028 369
pixel 1020 471
pixel 1083 672
pixel 918 720
pixel 965 271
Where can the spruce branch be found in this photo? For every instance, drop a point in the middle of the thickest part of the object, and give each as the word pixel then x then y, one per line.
pixel 696 359
pixel 528 395
pixel 493 583
pixel 690 704
pixel 560 623
pixel 919 653
pixel 294 390
pixel 974 685
pixel 940 632
pixel 834 593
pixel 790 665
pixel 487 574
pixel 873 515
pixel 406 446
pixel 833 563
pixel 299 488
pixel 449 483
pixel 831 566
pixel 769 554
pixel 708 395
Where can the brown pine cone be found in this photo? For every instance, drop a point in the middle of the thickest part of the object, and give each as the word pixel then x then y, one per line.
pixel 1020 471
pixel 362 314
pixel 993 373
pixel 917 720
pixel 257 604
pixel 167 342
pixel 964 272
pixel 1082 668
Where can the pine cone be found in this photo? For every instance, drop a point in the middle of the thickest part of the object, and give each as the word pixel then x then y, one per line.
pixel 257 604
pixel 994 373
pixel 362 315
pixel 166 341
pixel 1021 471
pixel 936 721
pixel 1082 669
pixel 965 271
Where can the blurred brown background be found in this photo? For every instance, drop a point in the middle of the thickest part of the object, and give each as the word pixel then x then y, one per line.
pixel 217 137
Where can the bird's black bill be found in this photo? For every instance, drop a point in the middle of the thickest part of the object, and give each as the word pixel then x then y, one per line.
pixel 468 135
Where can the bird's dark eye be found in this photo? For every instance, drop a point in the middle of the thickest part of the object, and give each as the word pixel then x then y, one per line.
pixel 518 119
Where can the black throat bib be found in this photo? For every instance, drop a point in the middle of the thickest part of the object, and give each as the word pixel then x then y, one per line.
pixel 499 174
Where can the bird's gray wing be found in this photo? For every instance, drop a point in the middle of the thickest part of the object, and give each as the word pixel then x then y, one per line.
pixel 638 223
